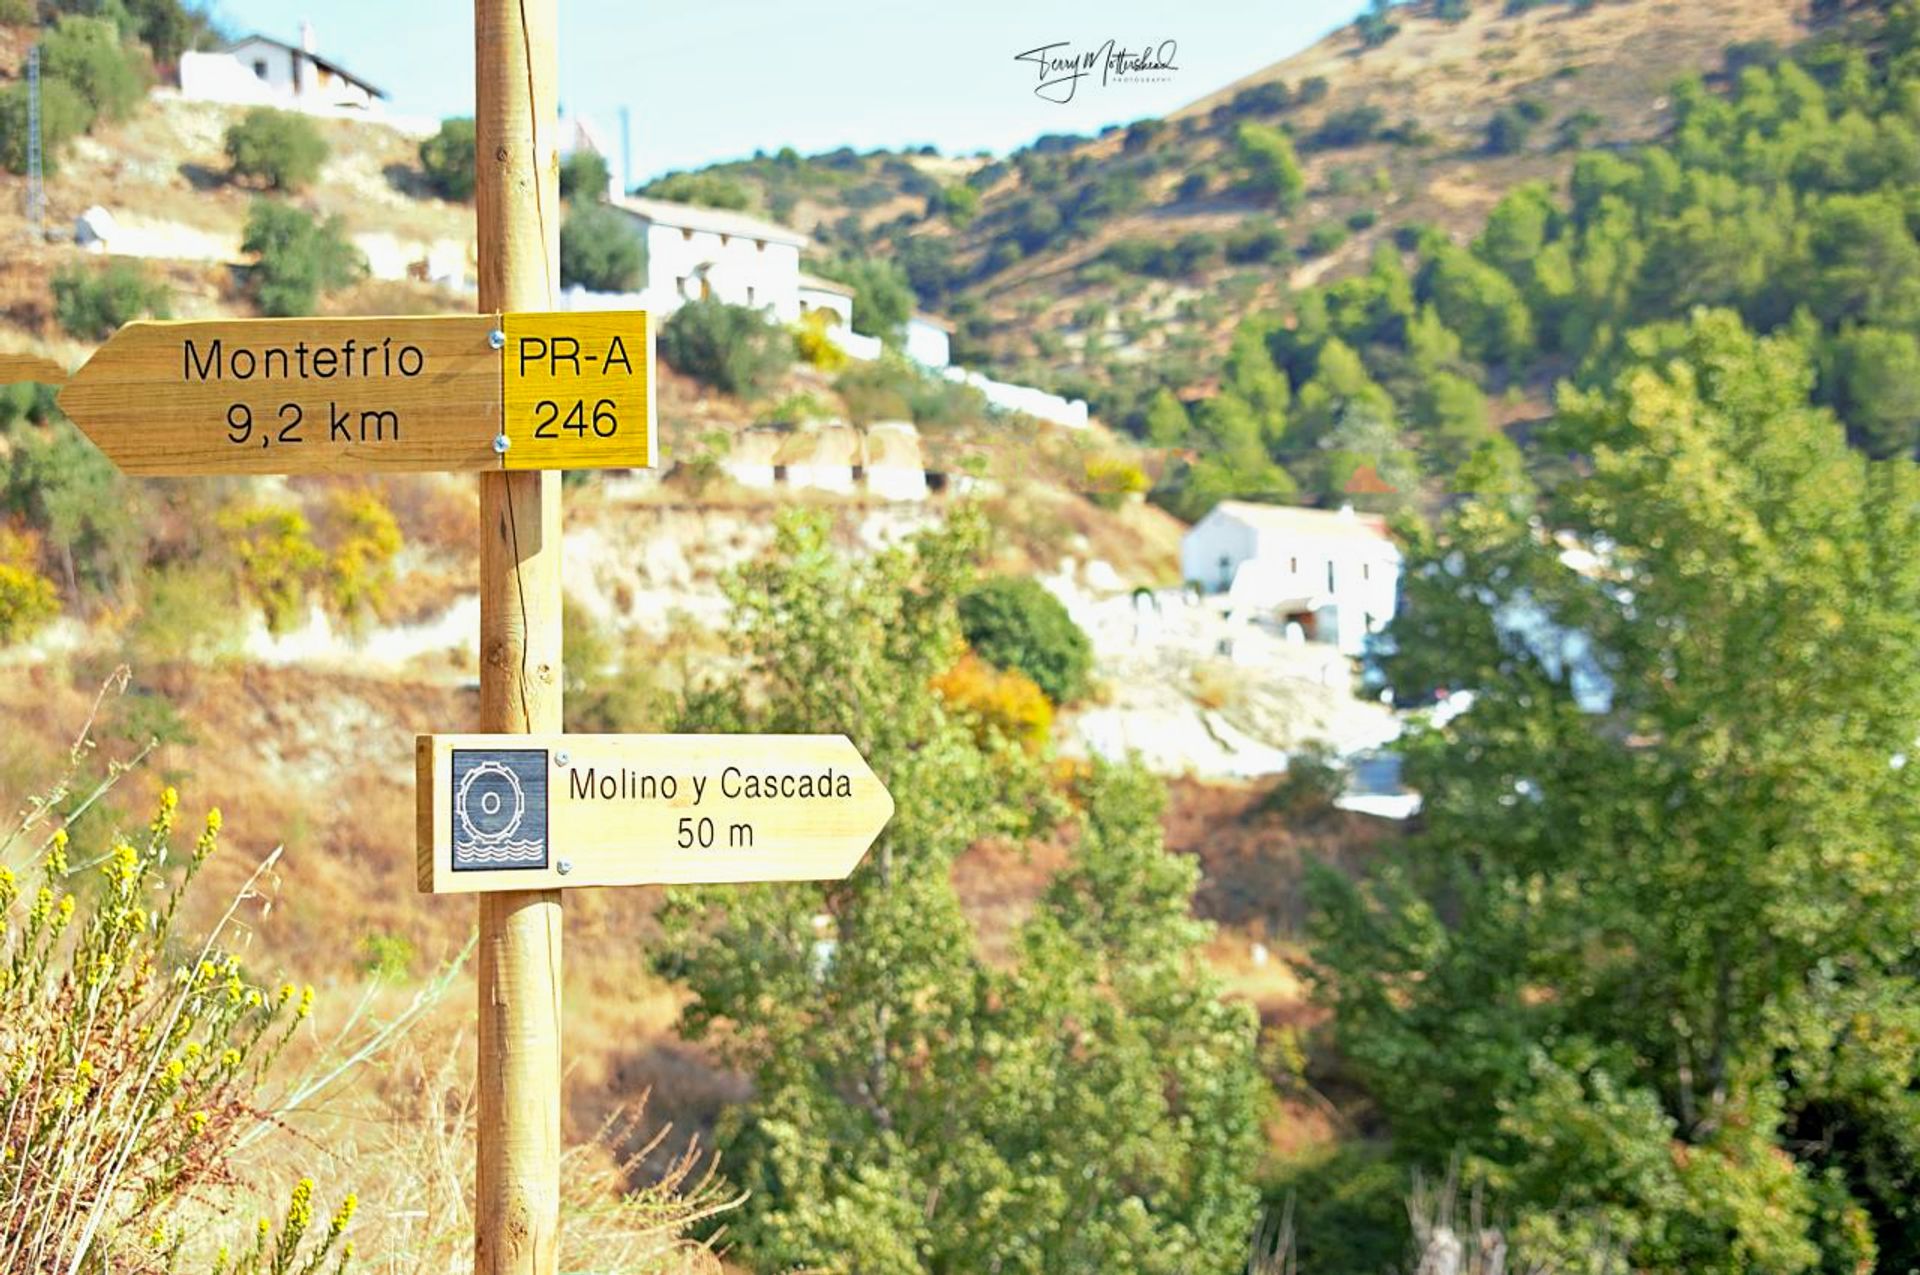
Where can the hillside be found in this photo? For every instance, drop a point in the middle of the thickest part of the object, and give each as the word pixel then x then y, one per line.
pixel 1389 136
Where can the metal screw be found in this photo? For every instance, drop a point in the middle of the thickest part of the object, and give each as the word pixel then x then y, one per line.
pixel 562 759
pixel 497 339
pixel 500 443
pixel 564 866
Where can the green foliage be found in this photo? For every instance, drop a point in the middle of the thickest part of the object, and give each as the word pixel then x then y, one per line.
pixel 1325 238
pixel 729 347
pixel 960 204
pixel 297 257
pixel 1271 168
pixel 447 158
pixel 92 303
pixel 281 149
pixel 108 73
pixel 1013 622
pixel 600 250
pixel 585 175
pixel 88 517
pixel 709 190
pixel 1167 421
pixel 64 115
pixel 1643 930
pixel 1086 1102
pixel 882 297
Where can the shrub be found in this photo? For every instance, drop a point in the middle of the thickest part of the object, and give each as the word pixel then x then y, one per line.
pixel 1325 238
pixel 109 74
pixel 283 149
pixel 1003 702
pixel 1510 127
pixel 278 559
pixel 1013 622
pixel 447 158
pixel 27 598
pixel 1111 479
pixel 599 250
pixel 362 541
pixel 1253 242
pixel 64 115
pixel 585 175
pixel 132 1052
pixel 729 347
pixel 1272 169
pixel 298 257
pixel 1349 127
pixel 92 304
pixel 960 203
pixel 812 344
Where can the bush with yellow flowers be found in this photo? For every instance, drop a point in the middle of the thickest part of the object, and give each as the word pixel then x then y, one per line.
pixel 998 701
pixel 812 344
pixel 27 598
pixel 1112 479
pixel 130 1055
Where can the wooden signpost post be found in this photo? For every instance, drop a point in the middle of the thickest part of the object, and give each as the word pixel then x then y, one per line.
pixel 515 393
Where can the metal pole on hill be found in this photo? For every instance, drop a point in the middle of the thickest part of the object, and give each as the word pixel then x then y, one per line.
pixel 516 195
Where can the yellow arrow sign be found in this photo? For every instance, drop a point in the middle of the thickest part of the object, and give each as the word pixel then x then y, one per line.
pixel 532 812
pixel 370 395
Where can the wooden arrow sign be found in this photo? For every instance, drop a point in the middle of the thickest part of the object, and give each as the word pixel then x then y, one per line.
pixel 370 395
pixel 533 812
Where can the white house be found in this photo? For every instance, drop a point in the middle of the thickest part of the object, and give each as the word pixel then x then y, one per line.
pixel 929 341
pixel 1334 572
pixel 697 252
pixel 259 70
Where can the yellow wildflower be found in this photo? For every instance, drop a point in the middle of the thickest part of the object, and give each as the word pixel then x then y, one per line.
pixel 306 1001
pixel 57 854
pixel 197 1122
pixel 345 1214
pixel 163 817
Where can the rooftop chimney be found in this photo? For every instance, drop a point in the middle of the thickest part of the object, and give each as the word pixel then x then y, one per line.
pixel 306 37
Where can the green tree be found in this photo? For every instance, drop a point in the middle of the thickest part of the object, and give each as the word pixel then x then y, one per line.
pixel 729 347
pixel 64 115
pixel 110 75
pixel 1875 390
pixel 601 250
pixel 447 158
pixel 1479 303
pixel 1272 169
pixel 882 297
pixel 282 149
pixel 1088 1103
pixel 585 175
pixel 1667 876
pixel 1014 622
pixel 92 304
pixel 297 257
pixel 1167 422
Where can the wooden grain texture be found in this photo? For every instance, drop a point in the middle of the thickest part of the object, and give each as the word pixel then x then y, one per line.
pixel 516 196
pixel 293 396
pixel 18 368
pixel 578 390
pixel 669 810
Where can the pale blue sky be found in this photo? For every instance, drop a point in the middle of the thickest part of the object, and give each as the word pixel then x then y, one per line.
pixel 721 78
